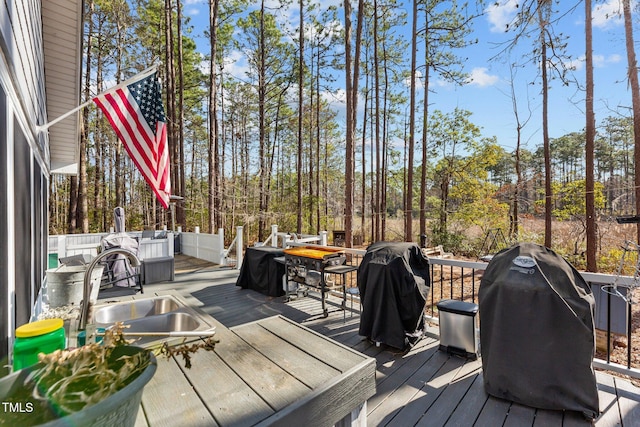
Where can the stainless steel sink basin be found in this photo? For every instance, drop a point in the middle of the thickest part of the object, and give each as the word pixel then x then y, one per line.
pixel 123 311
pixel 169 322
pixel 155 319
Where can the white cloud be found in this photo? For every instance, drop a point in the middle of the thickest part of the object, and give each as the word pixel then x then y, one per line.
pixel 577 64
pixel 599 61
pixel 419 80
pixel 192 7
pixel 603 61
pixel 480 77
pixel 500 14
pixel 607 14
pixel 236 65
pixel 326 33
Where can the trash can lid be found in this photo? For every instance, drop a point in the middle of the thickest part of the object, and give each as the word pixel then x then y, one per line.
pixel 38 328
pixel 458 307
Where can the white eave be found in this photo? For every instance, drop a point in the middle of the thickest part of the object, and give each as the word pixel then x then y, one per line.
pixel 62 22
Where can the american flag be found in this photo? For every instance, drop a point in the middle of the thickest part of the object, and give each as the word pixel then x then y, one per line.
pixel 136 114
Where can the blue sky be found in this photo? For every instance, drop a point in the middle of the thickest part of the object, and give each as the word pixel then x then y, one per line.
pixel 487 95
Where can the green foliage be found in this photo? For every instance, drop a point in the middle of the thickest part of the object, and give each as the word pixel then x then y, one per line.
pixel 570 199
pixel 486 213
pixel 450 241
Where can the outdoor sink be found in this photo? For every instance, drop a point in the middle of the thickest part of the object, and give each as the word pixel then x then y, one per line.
pixel 121 312
pixel 154 319
pixel 170 322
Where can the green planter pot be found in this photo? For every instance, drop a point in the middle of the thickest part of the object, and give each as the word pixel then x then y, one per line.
pixel 119 409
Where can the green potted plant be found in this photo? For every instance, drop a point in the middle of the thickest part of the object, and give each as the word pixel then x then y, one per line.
pixel 96 384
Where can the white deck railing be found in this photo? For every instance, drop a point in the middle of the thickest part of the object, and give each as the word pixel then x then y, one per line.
pixel 612 314
pixel 77 244
pixel 204 246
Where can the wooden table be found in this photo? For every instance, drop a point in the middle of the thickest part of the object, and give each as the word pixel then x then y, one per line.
pixel 270 372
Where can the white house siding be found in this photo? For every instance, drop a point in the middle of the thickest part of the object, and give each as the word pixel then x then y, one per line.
pixel 24 165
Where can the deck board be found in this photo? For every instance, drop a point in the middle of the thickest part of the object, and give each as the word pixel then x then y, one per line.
pixel 228 392
pixel 628 397
pixel 411 412
pixel 155 396
pixel 423 386
pixel 519 415
pixel 468 409
pixel 610 414
pixel 439 413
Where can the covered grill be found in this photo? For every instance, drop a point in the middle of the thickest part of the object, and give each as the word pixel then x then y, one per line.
pixel 119 271
pixel 393 279
pixel 306 265
pixel 537 331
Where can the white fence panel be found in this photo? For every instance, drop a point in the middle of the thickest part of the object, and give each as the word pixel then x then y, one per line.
pixel 78 244
pixel 156 248
pixel 75 244
pixel 204 246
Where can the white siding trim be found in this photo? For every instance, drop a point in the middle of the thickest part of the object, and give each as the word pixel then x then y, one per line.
pixel 11 242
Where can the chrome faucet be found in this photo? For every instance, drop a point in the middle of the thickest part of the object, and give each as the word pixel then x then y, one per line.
pixel 86 290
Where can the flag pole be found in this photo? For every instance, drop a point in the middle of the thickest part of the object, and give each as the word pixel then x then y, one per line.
pixel 141 74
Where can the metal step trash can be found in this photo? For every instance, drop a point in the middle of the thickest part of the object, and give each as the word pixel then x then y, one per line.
pixel 458 328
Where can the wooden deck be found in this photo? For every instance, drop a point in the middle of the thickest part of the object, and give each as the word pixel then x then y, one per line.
pixel 421 387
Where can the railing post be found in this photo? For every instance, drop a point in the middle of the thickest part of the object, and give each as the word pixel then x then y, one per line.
pixel 197 239
pixel 323 237
pixel 239 246
pixel 222 259
pixel 62 246
pixel 170 248
pixel 274 235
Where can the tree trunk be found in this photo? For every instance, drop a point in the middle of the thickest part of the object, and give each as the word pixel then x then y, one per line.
pixel 408 210
pixel 212 177
pixel 84 137
pixel 82 207
pixel 364 163
pixel 300 117
pixel 375 118
pixel 635 99
pixel 354 108
pixel 425 121
pixel 318 135
pixel 543 11
pixel 73 204
pixel 171 101
pixel 513 219
pixel 350 130
pixel 262 125
pixel 590 144
pixel 180 191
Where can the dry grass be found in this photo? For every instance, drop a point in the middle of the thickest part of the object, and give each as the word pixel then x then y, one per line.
pixel 568 239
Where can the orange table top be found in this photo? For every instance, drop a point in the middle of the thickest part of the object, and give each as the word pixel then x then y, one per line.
pixel 311 252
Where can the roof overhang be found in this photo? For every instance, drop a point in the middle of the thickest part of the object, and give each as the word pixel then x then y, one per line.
pixel 62 23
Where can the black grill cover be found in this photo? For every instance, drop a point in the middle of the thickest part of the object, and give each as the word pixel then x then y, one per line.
pixel 537 331
pixel 260 272
pixel 393 279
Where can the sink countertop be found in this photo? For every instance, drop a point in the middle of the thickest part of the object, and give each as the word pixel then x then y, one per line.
pixel 272 371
